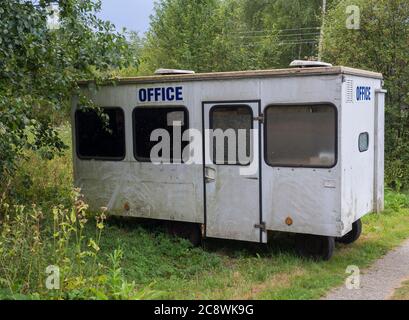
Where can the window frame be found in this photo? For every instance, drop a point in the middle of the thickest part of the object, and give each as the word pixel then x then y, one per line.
pixel 359 140
pixel 157 106
pixel 211 111
pixel 98 158
pixel 301 166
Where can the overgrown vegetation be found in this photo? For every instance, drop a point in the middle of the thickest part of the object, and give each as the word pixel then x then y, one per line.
pixel 40 66
pixel 134 261
pixel 44 223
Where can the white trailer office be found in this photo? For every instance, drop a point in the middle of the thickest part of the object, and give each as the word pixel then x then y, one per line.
pixel 314 146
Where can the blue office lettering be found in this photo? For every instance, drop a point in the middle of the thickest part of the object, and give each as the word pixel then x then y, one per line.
pixel 157 94
pixel 363 93
pixel 142 95
pixel 150 94
pixel 160 94
pixel 170 96
pixel 163 94
pixel 179 94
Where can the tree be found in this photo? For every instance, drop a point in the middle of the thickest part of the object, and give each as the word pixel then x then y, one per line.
pixel 205 35
pixel 222 35
pixel 179 31
pixel 297 24
pixel 136 45
pixel 40 67
pixel 380 44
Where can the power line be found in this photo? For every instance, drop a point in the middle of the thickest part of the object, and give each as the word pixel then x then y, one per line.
pixel 285 37
pixel 298 42
pixel 273 30
pixel 282 43
pixel 282 36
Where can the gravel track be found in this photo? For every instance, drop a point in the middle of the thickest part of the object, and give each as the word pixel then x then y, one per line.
pixel 379 281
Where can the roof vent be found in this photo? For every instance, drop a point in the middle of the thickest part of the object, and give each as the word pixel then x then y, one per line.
pixel 164 72
pixel 309 64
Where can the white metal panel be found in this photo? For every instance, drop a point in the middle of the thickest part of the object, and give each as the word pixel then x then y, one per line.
pixel 309 196
pixel 358 168
pixel 131 188
pixel 238 90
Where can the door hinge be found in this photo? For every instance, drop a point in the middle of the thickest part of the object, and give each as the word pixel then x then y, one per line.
pixel 261 226
pixel 259 118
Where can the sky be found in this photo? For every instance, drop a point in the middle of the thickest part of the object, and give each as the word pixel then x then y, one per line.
pixel 132 14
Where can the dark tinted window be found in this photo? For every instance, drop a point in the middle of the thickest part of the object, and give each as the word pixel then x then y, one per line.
pixel 100 135
pixel 147 120
pixel 301 136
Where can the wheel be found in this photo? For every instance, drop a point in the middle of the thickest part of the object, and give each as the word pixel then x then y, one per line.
pixel 188 231
pixel 315 247
pixel 352 235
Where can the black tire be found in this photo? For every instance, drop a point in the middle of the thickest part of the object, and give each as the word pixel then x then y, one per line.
pixel 353 235
pixel 315 247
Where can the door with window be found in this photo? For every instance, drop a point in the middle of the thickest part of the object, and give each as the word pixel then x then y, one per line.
pixel 232 171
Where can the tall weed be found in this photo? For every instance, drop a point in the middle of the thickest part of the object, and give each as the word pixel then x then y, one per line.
pixel 32 244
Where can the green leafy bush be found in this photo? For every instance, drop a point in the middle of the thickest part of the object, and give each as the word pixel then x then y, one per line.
pixel 40 67
pixel 394 201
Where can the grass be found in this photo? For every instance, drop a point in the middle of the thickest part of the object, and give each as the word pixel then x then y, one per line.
pixel 222 270
pixel 227 270
pixel 402 293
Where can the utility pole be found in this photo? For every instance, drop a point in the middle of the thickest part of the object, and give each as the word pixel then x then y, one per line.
pixel 324 11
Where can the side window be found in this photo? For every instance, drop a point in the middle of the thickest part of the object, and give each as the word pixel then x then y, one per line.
pixel 230 140
pixel 363 142
pixel 146 120
pixel 100 135
pixel 301 136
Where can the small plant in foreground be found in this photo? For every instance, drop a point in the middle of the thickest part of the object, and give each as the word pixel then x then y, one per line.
pixel 32 241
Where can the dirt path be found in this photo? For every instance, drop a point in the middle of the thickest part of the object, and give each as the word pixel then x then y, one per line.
pixel 379 281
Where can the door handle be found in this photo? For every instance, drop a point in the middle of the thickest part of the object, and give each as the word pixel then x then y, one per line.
pixel 210 174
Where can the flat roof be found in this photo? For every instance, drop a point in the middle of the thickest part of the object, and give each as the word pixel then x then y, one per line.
pixel 292 72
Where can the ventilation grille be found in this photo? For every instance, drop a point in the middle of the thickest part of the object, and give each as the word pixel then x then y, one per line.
pixel 349 91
